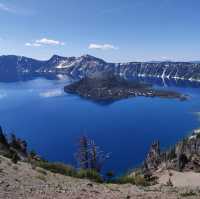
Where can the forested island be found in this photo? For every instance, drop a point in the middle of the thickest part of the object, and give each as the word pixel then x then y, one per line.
pixel 111 88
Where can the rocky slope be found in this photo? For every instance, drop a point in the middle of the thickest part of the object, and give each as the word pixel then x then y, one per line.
pixel 17 67
pixel 184 156
pixel 25 177
pixel 22 181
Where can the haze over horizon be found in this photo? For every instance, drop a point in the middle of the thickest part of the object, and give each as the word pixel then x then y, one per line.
pixel 116 31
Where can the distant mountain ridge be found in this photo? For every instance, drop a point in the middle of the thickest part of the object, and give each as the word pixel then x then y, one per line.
pixel 15 67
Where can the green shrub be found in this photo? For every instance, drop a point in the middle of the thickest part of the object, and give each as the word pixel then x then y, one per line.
pixel 198 135
pixel 126 179
pixel 7 155
pixel 136 179
pixel 32 154
pixel 42 171
pixel 89 174
pixel 15 158
pixel 141 181
pixel 70 171
pixel 57 168
pixel 110 176
pixel 188 193
pixel 41 177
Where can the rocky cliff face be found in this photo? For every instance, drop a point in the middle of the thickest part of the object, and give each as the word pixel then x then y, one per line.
pixel 13 147
pixel 4 146
pixel 153 158
pixel 15 67
pixel 185 155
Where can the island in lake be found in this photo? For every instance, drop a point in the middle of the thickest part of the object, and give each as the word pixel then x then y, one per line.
pixel 112 88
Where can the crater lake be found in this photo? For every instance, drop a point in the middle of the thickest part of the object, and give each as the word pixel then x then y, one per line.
pixel 51 121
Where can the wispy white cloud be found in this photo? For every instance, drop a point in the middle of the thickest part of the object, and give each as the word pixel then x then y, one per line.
pixel 6 8
pixel 15 9
pixel 32 44
pixel 103 47
pixel 46 42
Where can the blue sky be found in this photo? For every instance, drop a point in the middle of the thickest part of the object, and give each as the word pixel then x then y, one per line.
pixel 115 30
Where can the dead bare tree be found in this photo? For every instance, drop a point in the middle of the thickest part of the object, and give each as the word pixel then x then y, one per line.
pixel 83 153
pixel 89 155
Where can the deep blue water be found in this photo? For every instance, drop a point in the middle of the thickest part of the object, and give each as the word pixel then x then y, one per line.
pixel 52 121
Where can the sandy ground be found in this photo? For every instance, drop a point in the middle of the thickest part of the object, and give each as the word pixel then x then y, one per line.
pixel 180 179
pixel 20 181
